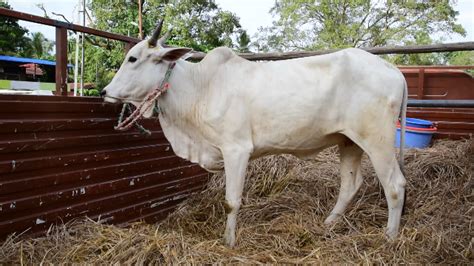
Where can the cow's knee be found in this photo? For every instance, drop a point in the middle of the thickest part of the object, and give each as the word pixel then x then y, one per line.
pixel 231 206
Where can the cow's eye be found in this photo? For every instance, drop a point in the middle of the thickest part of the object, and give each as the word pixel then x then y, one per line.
pixel 132 59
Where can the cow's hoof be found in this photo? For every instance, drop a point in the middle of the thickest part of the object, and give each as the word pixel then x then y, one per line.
pixel 332 218
pixel 229 241
pixel 391 234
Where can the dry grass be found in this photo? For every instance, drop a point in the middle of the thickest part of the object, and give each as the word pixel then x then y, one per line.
pixel 285 203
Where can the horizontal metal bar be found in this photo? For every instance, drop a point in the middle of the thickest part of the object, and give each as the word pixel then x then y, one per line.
pixel 409 49
pixel 435 67
pixel 441 103
pixel 60 24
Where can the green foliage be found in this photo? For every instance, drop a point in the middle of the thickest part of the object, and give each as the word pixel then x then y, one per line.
pixel 12 36
pixel 322 24
pixel 198 24
pixel 91 92
pixel 15 41
pixel 244 42
pixel 462 58
pixel 100 61
pixel 38 47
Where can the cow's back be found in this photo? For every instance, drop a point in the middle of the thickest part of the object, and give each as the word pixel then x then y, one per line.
pixel 298 103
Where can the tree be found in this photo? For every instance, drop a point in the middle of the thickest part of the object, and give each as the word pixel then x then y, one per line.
pixel 12 35
pixel 198 24
pixel 322 24
pixel 244 42
pixel 38 47
pixel 462 58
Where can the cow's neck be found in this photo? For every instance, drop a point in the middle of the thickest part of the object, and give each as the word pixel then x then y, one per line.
pixel 190 81
pixel 180 115
pixel 183 93
pixel 189 84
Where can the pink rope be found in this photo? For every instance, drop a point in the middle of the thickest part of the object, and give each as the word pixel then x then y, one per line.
pixel 138 113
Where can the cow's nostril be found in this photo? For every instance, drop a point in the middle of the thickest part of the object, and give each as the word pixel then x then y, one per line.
pixel 103 93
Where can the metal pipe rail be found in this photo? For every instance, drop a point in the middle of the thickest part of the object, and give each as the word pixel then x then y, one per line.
pixel 441 103
pixel 74 27
pixel 409 49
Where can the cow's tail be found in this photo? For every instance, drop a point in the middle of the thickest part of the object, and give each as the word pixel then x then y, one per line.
pixel 403 115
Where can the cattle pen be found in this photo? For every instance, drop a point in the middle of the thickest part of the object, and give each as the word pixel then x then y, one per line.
pixel 74 190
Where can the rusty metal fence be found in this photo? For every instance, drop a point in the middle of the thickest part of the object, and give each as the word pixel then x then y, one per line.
pixel 442 83
pixel 60 159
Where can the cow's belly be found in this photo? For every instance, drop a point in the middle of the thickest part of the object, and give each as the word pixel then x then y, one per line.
pixel 297 144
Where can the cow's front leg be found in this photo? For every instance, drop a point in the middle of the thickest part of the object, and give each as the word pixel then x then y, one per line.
pixel 235 165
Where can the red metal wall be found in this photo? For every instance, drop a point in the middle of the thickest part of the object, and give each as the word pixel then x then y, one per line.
pixel 60 159
pixel 442 84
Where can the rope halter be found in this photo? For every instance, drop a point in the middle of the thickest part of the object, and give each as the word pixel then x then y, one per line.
pixel 150 101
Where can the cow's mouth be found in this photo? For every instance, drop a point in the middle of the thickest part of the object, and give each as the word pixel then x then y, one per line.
pixel 109 99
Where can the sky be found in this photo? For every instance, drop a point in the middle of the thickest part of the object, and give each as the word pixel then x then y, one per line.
pixel 253 14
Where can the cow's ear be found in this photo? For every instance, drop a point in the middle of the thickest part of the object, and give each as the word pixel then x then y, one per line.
pixel 173 54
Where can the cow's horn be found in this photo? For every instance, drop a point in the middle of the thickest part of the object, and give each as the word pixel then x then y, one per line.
pixel 162 40
pixel 154 38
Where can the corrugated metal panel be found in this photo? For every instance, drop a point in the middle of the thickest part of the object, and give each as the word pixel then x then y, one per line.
pixel 60 159
pixel 442 84
pixel 453 123
pixel 27 60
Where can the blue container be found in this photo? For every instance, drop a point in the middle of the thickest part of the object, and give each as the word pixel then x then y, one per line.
pixel 415 138
pixel 418 123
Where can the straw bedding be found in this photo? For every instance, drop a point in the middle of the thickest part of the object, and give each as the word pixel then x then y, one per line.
pixel 285 203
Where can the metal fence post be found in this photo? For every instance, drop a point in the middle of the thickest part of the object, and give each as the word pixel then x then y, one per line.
pixel 61 61
pixel 421 83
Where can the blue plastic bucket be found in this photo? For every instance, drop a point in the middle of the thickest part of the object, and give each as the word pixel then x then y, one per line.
pixel 415 138
pixel 418 133
pixel 418 123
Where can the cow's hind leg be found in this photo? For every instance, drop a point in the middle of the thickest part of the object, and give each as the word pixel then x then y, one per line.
pixel 381 152
pixel 235 164
pixel 393 183
pixel 351 178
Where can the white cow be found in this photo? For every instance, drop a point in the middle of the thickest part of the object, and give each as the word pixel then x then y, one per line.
pixel 226 110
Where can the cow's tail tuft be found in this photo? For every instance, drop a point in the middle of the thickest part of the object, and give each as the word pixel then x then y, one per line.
pixel 403 115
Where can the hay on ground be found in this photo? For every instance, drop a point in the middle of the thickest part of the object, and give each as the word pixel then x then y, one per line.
pixel 285 203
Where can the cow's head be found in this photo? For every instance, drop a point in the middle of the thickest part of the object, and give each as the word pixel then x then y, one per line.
pixel 142 70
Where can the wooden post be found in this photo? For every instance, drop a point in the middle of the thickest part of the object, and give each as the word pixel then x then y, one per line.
pixel 61 61
pixel 410 49
pixel 140 26
pixel 421 83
